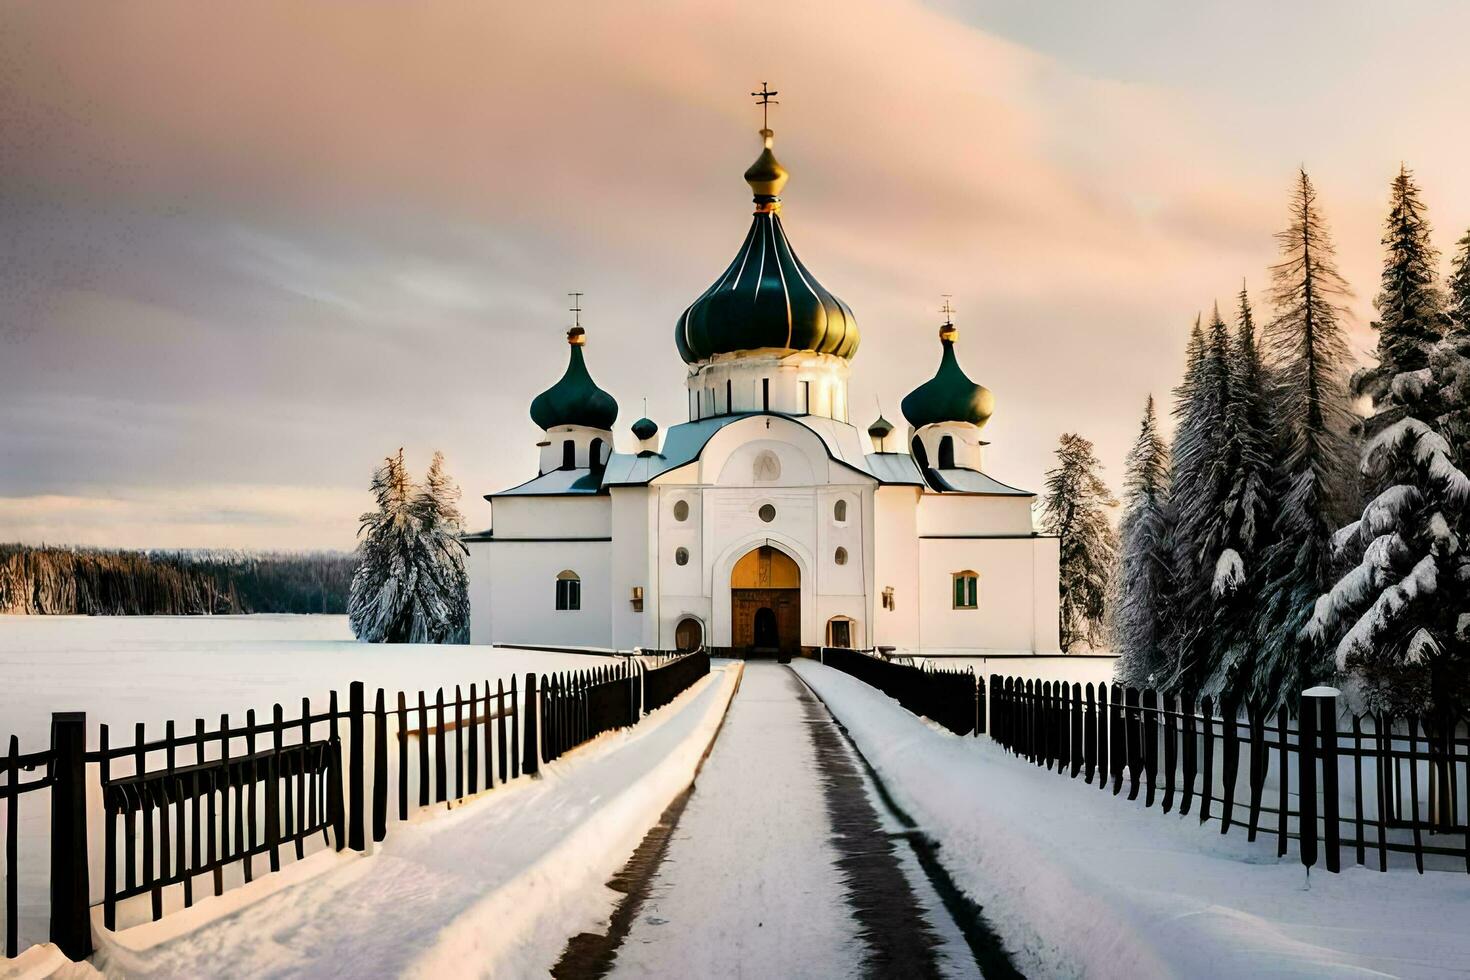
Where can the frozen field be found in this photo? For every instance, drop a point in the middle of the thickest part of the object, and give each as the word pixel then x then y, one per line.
pixel 122 670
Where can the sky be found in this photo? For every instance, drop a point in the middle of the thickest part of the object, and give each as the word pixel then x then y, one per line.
pixel 249 249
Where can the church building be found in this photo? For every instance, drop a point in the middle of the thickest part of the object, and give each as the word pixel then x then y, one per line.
pixel 766 521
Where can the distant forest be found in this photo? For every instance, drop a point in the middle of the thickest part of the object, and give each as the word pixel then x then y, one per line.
pixel 59 581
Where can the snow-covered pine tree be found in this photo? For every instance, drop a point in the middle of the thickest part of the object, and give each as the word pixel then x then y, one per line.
pixel 1398 620
pixel 448 598
pixel 409 586
pixel 1249 451
pixel 1459 287
pixel 1201 448
pixel 1140 606
pixel 1074 510
pixel 1411 317
pixel 1307 351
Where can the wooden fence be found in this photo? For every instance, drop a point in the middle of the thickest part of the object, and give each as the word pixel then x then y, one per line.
pixel 199 809
pixel 952 698
pixel 1376 784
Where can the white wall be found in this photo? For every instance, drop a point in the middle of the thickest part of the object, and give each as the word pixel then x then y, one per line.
pixel 799 382
pixel 567 516
pixel 952 513
pixel 1010 608
pixel 520 592
pixel 633 565
pixel 581 438
pixel 896 564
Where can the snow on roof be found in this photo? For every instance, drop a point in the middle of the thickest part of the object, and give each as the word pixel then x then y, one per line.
pixel 898 468
pixel 554 483
pixel 959 480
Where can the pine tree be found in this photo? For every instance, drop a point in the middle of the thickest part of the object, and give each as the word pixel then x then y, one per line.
pixel 410 585
pixel 1074 510
pixel 1307 351
pixel 1248 456
pixel 1410 303
pixel 1398 620
pixel 1191 433
pixel 448 600
pixel 1140 603
pixel 1459 288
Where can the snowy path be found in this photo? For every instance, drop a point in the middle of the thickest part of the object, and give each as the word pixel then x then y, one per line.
pixel 759 880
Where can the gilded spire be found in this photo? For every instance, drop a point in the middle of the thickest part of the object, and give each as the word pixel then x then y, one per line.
pixel 766 176
pixel 947 330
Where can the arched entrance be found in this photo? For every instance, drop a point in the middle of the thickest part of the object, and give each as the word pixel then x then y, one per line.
pixel 765 603
pixel 689 634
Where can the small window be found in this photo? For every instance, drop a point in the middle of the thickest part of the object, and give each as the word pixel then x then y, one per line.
pixel 839 512
pixel 681 556
pixel 568 455
pixel 888 601
pixel 568 591
pixel 681 511
pixel 765 394
pixel 966 590
pixel 767 513
pixel 594 454
pixel 946 453
pixel 840 556
pixel 729 397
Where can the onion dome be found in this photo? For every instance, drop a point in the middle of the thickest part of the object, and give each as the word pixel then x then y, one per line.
pixel 645 428
pixel 949 396
pixel 880 429
pixel 575 399
pixel 766 298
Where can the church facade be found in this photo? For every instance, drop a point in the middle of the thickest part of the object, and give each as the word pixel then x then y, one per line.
pixel 766 521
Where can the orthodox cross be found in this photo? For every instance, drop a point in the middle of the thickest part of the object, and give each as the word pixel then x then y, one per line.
pixel 764 100
pixel 576 308
pixel 947 309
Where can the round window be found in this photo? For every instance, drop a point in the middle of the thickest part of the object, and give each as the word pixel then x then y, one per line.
pixel 767 513
pixel 681 556
pixel 681 510
pixel 841 556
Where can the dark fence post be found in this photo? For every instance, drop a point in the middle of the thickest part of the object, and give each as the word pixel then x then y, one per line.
pixel 1307 778
pixel 528 715
pixel 355 836
pixel 380 768
pixel 1325 702
pixel 71 927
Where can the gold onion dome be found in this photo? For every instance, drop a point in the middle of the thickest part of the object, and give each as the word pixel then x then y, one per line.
pixel 949 396
pixel 575 399
pixel 766 298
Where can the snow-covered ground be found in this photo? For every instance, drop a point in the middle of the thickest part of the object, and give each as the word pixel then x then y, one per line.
pixel 751 876
pixel 1078 881
pixel 492 888
pixel 123 670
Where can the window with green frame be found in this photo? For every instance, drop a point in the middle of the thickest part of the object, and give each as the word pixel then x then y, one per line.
pixel 966 590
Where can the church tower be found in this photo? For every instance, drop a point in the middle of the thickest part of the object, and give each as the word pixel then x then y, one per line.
pixel 766 336
pixel 577 416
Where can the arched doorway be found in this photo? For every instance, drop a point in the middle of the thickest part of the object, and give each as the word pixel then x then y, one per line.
pixel 689 634
pixel 765 603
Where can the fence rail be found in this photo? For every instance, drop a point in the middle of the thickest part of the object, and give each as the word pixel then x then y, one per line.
pixel 205 804
pixel 1378 785
pixel 952 698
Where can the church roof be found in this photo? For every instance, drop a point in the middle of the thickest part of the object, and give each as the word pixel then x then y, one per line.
pixel 556 483
pixel 575 399
pixel 949 396
pixel 766 298
pixel 960 480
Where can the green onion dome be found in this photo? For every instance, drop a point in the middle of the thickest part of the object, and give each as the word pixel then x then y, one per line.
pixel 766 298
pixel 645 428
pixel 575 399
pixel 880 429
pixel 949 396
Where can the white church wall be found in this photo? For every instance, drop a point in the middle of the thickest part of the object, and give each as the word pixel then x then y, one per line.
pixel 947 513
pixel 564 516
pixel 896 566
pixel 793 382
pixel 1005 617
pixel 963 436
pixel 1047 577
pixel 581 439
pixel 522 587
pixel 478 567
pixel 633 566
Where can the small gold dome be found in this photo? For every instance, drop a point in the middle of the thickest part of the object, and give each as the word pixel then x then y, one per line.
pixel 577 337
pixel 766 176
